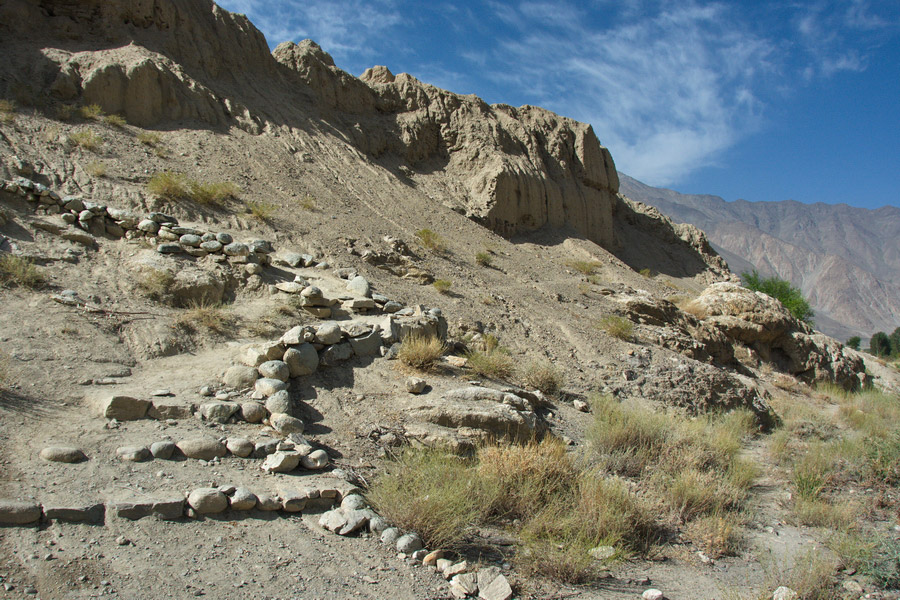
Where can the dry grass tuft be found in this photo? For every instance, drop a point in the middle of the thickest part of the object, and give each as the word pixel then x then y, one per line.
pixel 95 169
pixel 309 203
pixel 117 121
pixel 618 327
pixel 495 363
pixel 215 193
pixel 168 185
pixel 261 211
pixel 716 535
pixel 483 259
pixel 65 112
pixel 87 139
pixel 585 267
pixel 543 375
pixel 421 352
pixel 149 138
pixel 92 112
pixel 7 111
pixel 156 284
pixel 202 317
pixel 16 271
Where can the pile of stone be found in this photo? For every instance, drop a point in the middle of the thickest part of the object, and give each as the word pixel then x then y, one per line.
pixel 363 300
pixel 312 496
pixel 87 220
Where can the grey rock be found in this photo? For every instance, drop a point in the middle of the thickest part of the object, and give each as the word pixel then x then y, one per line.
pixel 162 218
pixel 148 226
pixel 266 386
pixel 265 447
pixel 275 369
pixel 328 333
pixel 317 459
pixel 240 447
pixel 392 307
pixel 360 286
pixel 785 593
pixel 203 448
pixel 206 501
pixel 332 520
pixel 163 450
pixel 13 512
pixel 163 409
pixel 298 335
pixel 355 520
pixel 224 238
pixel 353 502
pixel 281 462
pixel 312 292
pixel 280 402
pixel 289 287
pixel 293 500
pixel 63 454
pixel 286 424
pixel 261 247
pixel 218 412
pixel 242 499
pixel 291 259
pixel 134 453
pixel 267 502
pixel 169 248
pixel 124 408
pixel 253 412
pixel 236 249
pixel 367 345
pixel 211 246
pixel 390 535
pixel 93 513
pixel 191 240
pixel 409 543
pixel 336 354
pixel 302 360
pixel 498 589
pixel 377 525
pixel 240 377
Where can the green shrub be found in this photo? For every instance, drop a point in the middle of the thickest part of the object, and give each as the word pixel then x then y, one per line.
pixel 585 267
pixel 7 111
pixel 789 296
pixel 432 241
pixel 16 271
pixel 216 193
pixel 261 211
pixel 496 363
pixel 442 285
pixel 483 259
pixel 168 185
pixel 91 111
pixel 307 202
pixel 618 327
pixel 149 138
pixel 117 121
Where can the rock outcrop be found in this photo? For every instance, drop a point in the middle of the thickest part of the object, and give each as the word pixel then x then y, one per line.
pixel 763 324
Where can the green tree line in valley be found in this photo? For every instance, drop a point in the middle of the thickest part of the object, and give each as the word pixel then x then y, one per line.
pixel 881 344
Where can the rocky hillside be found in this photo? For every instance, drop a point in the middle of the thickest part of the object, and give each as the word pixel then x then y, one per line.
pixel 237 285
pixel 845 259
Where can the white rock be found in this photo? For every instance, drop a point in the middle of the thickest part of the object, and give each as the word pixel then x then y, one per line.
pixel 409 543
pixel 785 593
pixel 328 333
pixel 286 424
pixel 266 386
pixel 281 462
pixel 317 459
pixel 240 447
pixel 415 385
pixel 275 369
pixel 207 501
pixel 242 499
pixel 653 594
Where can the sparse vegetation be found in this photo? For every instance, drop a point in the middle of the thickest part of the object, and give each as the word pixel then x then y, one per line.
pixel 543 375
pixel 432 241
pixel 442 285
pixel 5 371
pixel 261 211
pixel 95 169
pixel 618 327
pixel 86 139
pixel 646 272
pixel 156 284
pixel 483 259
pixel 585 267
pixel 309 203
pixel 149 138
pixel 91 112
pixel 117 121
pixel 16 271
pixel 205 317
pixel 421 352
pixel 173 186
pixel 65 112
pixel 492 361
pixel 7 111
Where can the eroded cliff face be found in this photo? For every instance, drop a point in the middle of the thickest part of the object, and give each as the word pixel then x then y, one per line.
pixel 164 63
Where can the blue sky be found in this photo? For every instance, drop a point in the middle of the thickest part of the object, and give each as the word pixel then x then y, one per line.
pixel 758 99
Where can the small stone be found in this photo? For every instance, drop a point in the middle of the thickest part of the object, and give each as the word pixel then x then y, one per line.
pixel 419 555
pixel 168 408
pixel 190 240
pixel 653 594
pixel 293 501
pixel 162 450
pixel 148 226
pixel 432 557
pixel 169 248
pixel 442 564
pixel 267 502
pixel 581 405
pixel 211 246
pixel 602 552
pixel 236 249
pixel 317 459
pixel 302 360
pixel 415 385
pixel 279 402
pixel 456 569
pixel 207 501
pixel 377 524
pixel 465 583
pixel 785 593
pixel 125 408
pixel 852 587
pixel 63 454
pixel 498 589
pixel 224 238
pixel 353 502
pixel 133 453
pixel 409 543
pixel 289 287
pixel 122 540
pixel 218 412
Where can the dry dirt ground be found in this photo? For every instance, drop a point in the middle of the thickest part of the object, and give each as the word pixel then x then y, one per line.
pixel 536 305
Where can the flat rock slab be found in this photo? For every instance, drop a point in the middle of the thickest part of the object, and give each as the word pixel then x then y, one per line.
pixel 94 513
pixel 15 512
pixel 165 510
pixel 204 448
pixel 63 454
pixel 124 408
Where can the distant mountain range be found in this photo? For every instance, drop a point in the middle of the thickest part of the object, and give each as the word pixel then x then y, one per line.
pixel 846 260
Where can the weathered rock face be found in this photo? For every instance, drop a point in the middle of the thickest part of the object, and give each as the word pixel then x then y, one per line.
pixel 763 324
